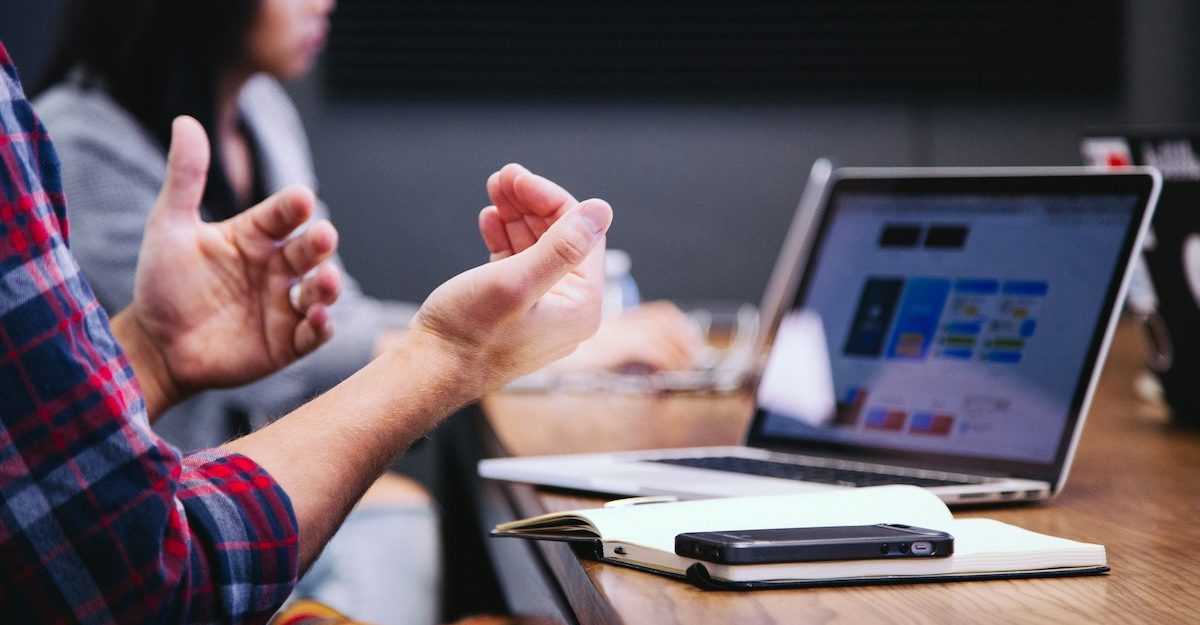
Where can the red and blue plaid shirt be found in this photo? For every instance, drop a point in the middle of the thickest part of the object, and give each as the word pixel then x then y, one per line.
pixel 101 521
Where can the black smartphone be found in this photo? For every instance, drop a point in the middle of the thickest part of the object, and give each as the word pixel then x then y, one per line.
pixel 807 544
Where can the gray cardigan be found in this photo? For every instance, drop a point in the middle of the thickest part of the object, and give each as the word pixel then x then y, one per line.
pixel 112 169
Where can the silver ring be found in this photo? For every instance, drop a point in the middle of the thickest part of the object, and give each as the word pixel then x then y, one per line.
pixel 294 296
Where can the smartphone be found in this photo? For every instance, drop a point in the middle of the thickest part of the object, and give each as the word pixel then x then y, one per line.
pixel 808 544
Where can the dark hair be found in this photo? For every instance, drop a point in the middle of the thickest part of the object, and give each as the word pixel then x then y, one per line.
pixel 158 59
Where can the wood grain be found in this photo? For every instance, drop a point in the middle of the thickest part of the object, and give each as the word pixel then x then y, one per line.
pixel 1135 488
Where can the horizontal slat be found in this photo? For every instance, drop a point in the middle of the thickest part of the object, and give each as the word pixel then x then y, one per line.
pixel 708 48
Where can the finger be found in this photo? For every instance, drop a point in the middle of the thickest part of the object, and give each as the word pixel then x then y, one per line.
pixel 677 354
pixel 658 350
pixel 277 216
pixel 187 171
pixel 666 360
pixel 500 191
pixel 592 269
pixel 313 330
pixel 491 227
pixel 519 235
pixel 535 195
pixel 661 307
pixel 311 247
pixel 540 201
pixel 673 324
pixel 564 248
pixel 665 319
pixel 493 189
pixel 537 225
pixel 527 203
pixel 654 351
pixel 320 288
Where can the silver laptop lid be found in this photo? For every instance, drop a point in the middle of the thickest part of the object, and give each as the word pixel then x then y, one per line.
pixel 966 314
pixel 781 286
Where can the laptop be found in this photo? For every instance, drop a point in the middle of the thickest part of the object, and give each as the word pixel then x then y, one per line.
pixel 944 328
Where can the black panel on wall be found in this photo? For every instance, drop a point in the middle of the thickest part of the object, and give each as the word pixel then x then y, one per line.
pixel 720 48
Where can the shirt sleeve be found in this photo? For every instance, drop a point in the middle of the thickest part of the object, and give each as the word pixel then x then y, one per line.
pixel 101 521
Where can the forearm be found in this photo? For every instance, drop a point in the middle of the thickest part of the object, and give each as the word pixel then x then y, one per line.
pixel 151 371
pixel 326 453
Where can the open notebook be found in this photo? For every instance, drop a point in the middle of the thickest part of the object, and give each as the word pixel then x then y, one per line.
pixel 643 537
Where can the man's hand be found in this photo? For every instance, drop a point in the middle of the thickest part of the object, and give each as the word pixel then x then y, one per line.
pixel 480 329
pixel 538 298
pixel 656 335
pixel 211 305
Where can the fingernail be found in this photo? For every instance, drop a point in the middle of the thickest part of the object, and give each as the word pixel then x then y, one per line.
pixel 595 215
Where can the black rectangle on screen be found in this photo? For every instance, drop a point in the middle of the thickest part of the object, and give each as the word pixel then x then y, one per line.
pixel 946 237
pixel 900 235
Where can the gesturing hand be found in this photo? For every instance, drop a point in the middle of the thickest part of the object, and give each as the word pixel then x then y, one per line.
pixel 211 300
pixel 541 294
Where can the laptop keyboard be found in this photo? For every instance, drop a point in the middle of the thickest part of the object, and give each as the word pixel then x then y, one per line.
pixel 789 471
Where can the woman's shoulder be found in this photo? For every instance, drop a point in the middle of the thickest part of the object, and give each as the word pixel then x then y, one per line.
pixel 275 122
pixel 86 121
pixel 263 94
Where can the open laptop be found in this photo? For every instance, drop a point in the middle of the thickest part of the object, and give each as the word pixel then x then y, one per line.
pixel 946 329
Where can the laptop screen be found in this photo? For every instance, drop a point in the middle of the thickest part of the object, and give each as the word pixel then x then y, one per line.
pixel 961 318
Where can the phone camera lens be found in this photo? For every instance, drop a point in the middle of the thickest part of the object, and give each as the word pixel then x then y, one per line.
pixel 903 547
pixel 884 548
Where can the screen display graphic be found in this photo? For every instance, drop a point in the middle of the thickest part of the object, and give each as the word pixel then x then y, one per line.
pixel 956 324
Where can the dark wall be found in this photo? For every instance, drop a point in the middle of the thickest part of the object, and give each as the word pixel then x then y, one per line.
pixel 703 191
pixel 26 29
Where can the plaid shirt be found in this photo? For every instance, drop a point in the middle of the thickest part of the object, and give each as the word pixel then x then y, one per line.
pixel 100 520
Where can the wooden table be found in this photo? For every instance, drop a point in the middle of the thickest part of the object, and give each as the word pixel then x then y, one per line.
pixel 1135 488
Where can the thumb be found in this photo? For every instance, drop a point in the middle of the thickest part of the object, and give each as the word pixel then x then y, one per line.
pixel 565 246
pixel 187 170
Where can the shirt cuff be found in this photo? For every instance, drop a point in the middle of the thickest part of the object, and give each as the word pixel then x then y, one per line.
pixel 247 532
